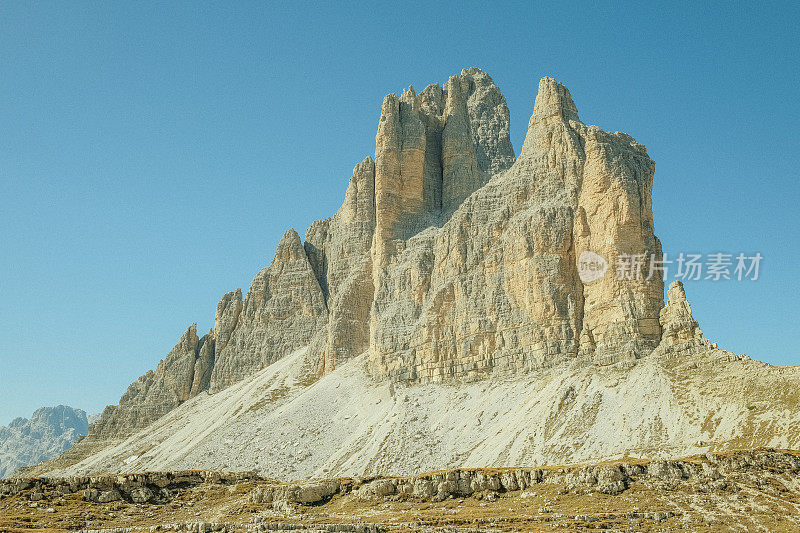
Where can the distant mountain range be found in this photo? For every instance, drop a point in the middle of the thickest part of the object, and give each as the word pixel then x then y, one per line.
pixel 48 432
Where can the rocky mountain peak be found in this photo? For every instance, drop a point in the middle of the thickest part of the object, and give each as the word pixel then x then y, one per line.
pixel 449 259
pixel 48 432
pixel 554 100
pixel 290 248
pixel 452 262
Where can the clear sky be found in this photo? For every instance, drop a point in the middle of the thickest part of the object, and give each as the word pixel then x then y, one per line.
pixel 152 154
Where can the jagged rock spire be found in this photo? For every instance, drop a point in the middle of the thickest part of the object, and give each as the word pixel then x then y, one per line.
pixel 181 375
pixel 459 162
pixel 283 310
pixel 290 248
pixel 226 318
pixel 359 199
pixel 554 100
pixel 676 317
pixel 434 149
pixel 552 152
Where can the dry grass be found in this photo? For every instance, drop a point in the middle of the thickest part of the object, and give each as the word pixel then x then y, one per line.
pixel 753 499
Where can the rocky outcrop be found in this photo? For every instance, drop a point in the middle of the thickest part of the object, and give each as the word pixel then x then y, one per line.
pixel 136 488
pixel 226 319
pixel 681 334
pixel 282 311
pixel 676 318
pixel 712 492
pixel 50 431
pixel 284 308
pixel 496 288
pixel 181 375
pixel 704 472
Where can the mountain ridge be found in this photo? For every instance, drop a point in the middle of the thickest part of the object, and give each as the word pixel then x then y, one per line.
pixel 48 432
pixel 451 263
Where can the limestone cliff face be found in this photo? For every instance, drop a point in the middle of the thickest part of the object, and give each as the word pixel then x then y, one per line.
pixel 184 372
pixel 340 248
pixel 449 258
pixel 283 309
pixel 496 287
pixel 432 150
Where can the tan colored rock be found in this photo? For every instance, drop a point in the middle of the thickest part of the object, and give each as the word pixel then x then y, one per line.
pixel 203 366
pixel 450 260
pixel 496 287
pixel 340 248
pixel 403 196
pixel 227 318
pixel 283 309
pixel 460 174
pixel 437 271
pixel 182 374
pixel 432 150
pixel 614 218
pixel 676 317
pixel 681 334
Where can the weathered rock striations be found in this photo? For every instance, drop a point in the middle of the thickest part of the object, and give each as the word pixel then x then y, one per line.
pixel 432 151
pixel 184 372
pixel 676 318
pixel 283 309
pixel 496 288
pixel 681 334
pixel 339 250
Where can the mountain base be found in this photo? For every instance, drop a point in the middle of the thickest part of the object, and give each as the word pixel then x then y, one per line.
pixel 746 489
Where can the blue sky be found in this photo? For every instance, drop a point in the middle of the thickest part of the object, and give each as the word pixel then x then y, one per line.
pixel 152 154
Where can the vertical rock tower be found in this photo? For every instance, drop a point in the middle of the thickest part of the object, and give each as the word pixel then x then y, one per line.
pixel 494 288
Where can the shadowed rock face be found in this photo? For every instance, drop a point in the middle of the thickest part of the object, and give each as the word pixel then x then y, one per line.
pixel 50 431
pixel 340 252
pixel 449 258
pixel 432 150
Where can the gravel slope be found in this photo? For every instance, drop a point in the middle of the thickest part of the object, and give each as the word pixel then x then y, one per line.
pixel 346 424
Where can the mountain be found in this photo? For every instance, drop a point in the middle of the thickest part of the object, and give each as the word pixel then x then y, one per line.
pixel 50 431
pixel 442 318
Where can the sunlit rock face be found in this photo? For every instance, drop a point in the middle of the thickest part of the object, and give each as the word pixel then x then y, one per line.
pixel 492 286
